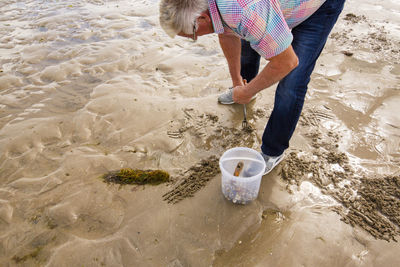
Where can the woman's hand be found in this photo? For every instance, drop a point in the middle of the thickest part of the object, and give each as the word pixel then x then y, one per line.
pixel 240 93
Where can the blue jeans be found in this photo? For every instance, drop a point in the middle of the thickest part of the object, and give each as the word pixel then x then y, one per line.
pixel 309 39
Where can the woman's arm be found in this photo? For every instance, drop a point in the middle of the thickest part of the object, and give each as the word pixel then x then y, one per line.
pixel 278 67
pixel 231 46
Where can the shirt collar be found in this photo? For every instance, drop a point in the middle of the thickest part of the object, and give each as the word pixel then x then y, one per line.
pixel 215 17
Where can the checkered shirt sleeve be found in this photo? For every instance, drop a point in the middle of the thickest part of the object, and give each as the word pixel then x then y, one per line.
pixel 260 22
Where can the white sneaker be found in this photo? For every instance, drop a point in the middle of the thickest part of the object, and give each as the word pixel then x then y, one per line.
pixel 271 162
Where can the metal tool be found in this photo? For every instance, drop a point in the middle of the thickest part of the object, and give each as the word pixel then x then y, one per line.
pixel 244 122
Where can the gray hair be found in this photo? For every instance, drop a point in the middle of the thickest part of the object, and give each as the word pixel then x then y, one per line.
pixel 178 15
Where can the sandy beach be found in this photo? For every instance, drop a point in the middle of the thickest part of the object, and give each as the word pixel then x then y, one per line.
pixel 93 86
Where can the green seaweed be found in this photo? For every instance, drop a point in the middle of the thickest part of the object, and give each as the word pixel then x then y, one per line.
pixel 131 176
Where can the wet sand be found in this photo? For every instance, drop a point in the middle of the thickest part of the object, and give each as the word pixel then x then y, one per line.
pixel 89 87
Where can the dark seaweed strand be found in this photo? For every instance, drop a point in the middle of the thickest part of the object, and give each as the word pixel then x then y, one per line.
pixel 130 176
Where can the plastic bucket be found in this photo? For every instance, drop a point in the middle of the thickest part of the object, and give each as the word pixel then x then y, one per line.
pixel 243 188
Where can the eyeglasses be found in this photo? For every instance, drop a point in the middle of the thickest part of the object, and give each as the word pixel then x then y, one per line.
pixel 194 30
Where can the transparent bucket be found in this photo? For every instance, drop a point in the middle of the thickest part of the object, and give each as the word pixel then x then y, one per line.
pixel 243 188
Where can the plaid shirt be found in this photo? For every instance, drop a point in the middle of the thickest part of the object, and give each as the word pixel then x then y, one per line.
pixel 265 24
